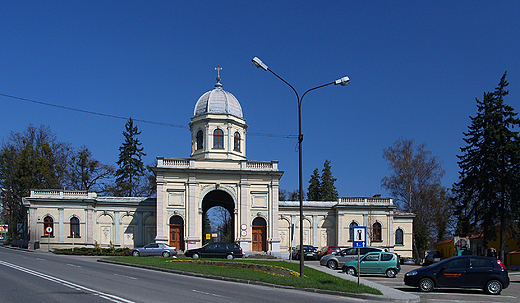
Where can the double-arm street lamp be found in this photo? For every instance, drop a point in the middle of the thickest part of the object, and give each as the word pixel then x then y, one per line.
pixel 343 82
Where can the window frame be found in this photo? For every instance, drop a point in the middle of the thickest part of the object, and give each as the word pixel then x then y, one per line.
pixel 200 140
pixel 377 232
pixel 351 230
pixel 237 138
pixel 48 221
pixel 399 232
pixel 218 138
pixel 74 227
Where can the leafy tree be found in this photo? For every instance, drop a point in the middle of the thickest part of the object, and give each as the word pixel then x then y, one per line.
pixel 415 185
pixel 131 168
pixel 314 190
pixel 490 168
pixel 34 159
pixel 282 195
pixel 86 173
pixel 328 190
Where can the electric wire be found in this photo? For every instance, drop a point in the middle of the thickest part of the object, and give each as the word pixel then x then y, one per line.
pixel 126 118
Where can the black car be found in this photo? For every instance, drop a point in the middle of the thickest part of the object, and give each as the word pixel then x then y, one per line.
pixel 216 250
pixel 486 273
pixel 309 252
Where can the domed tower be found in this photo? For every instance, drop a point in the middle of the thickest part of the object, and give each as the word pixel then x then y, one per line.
pixel 218 130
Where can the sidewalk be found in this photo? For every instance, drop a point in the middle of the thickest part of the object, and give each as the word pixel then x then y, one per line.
pixel 389 294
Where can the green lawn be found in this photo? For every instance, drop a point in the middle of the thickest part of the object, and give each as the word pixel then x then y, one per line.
pixel 267 271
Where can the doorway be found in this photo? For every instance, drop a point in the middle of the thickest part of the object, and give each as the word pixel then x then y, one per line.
pixel 177 232
pixel 259 235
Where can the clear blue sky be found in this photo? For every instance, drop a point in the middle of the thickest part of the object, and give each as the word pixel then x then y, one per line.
pixel 416 68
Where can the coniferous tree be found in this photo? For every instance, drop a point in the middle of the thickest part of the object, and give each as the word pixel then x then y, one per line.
pixel 328 190
pixel 131 167
pixel 314 190
pixel 490 173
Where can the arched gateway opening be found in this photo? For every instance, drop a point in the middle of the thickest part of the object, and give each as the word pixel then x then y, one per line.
pixel 218 210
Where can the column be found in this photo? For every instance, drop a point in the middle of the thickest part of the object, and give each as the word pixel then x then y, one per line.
pixel 162 235
pixel 243 205
pixel 60 226
pixel 274 231
pixel 192 210
pixel 116 228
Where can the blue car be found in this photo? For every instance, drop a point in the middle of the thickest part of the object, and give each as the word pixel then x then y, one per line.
pixel 485 273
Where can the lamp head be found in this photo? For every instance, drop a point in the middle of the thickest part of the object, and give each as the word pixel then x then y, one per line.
pixel 343 81
pixel 258 63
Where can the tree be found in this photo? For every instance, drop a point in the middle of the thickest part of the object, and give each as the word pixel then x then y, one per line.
pixel 328 190
pixel 313 192
pixel 131 168
pixel 33 159
pixel 490 168
pixel 322 188
pixel 86 173
pixel 415 185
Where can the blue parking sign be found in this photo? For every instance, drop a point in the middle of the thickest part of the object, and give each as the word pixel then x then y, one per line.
pixel 359 236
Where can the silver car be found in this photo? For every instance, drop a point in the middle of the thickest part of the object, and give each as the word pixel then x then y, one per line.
pixel 154 249
pixel 336 260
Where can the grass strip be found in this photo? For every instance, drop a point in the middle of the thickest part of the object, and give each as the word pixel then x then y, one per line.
pixel 313 278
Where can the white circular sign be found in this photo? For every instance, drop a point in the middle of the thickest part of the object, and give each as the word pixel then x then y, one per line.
pixel 244 233
pixel 48 229
pixel 244 226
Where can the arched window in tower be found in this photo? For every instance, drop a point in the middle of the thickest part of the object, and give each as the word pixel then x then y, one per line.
pixel 237 142
pixel 351 230
pixel 376 232
pixel 48 222
pixel 399 237
pixel 200 140
pixel 218 138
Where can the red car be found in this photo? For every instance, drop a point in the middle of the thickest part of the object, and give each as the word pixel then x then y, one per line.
pixel 327 250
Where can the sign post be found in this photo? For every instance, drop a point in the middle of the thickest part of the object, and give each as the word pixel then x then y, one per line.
pixel 49 231
pixel 360 240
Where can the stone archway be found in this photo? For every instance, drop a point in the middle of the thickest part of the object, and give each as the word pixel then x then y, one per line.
pixel 220 198
pixel 259 235
pixel 177 232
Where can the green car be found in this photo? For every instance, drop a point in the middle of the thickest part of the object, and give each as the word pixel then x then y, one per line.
pixel 375 263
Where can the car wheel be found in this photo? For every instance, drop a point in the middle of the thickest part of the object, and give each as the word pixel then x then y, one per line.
pixel 426 284
pixel 230 257
pixel 391 273
pixel 493 287
pixel 332 264
pixel 351 271
pixel 195 256
pixel 135 253
pixel 166 254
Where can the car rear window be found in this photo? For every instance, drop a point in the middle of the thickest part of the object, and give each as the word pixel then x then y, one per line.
pixel 386 257
pixel 476 263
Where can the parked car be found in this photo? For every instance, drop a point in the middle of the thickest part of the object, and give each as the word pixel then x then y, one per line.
pixel 432 256
pixel 374 263
pixel 334 261
pixel 486 273
pixel 309 252
pixel 154 249
pixel 327 250
pixel 408 261
pixel 222 250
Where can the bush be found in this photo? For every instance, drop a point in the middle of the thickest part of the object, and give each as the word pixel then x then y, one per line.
pixel 96 251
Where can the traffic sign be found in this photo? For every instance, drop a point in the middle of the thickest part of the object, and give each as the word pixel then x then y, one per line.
pixel 48 229
pixel 360 236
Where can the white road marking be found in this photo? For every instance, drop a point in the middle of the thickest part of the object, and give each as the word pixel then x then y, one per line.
pixel 206 293
pixel 106 296
pixel 74 265
pixel 128 277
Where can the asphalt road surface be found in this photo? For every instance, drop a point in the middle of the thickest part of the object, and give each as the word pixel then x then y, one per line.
pixel 29 276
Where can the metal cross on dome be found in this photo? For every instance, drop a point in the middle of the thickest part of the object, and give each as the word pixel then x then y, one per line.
pixel 218 69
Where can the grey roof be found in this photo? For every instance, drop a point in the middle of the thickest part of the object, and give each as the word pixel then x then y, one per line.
pixel 218 101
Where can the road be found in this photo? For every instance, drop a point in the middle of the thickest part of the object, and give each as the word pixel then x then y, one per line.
pixel 29 276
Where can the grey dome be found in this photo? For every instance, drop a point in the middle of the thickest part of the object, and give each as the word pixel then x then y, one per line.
pixel 218 101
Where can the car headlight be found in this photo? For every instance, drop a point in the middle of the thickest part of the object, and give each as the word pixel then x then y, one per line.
pixel 411 273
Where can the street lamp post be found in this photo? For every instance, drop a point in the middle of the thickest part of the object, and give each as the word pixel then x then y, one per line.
pixel 343 82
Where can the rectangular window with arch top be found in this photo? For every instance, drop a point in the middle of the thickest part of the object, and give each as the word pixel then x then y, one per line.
pixel 74 227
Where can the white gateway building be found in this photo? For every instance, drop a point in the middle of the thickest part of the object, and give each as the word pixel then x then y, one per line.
pixel 217 173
